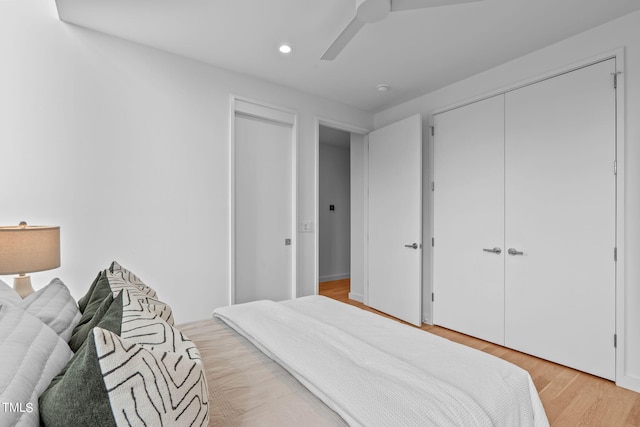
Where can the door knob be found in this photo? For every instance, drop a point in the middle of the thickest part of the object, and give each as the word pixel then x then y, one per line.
pixel 414 246
pixel 514 252
pixel 495 250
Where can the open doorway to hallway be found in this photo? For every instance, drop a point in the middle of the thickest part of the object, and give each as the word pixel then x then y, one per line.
pixel 334 220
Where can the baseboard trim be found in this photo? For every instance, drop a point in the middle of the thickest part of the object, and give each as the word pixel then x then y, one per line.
pixel 334 277
pixel 356 297
pixel 629 382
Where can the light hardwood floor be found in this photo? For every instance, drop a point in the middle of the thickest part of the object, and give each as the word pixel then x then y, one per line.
pixel 569 397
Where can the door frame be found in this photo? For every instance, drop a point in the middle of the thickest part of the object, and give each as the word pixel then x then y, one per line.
pixel 274 113
pixel 622 378
pixel 316 214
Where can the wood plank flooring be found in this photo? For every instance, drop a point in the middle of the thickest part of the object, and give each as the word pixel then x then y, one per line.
pixel 569 397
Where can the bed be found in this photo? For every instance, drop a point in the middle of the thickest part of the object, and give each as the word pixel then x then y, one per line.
pixel 116 358
pixel 315 361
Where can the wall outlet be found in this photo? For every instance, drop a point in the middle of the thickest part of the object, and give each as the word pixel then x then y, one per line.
pixel 306 227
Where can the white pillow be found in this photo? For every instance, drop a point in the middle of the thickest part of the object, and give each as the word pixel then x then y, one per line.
pixel 55 307
pixel 32 354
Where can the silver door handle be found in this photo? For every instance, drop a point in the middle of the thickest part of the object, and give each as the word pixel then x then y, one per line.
pixel 495 250
pixel 414 246
pixel 514 252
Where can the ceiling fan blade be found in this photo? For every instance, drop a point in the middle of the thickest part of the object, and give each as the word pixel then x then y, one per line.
pixel 397 5
pixel 343 39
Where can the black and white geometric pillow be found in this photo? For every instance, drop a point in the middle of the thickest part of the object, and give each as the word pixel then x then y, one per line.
pixel 138 301
pixel 121 277
pixel 148 323
pixel 112 381
pixel 128 275
pixel 148 386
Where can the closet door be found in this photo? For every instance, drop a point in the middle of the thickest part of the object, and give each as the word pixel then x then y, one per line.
pixel 560 219
pixel 469 219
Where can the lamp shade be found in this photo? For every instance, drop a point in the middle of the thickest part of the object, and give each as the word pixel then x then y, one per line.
pixel 27 249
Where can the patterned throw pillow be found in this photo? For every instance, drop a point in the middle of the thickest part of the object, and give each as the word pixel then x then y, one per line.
pixel 131 367
pixel 113 381
pixel 170 388
pixel 119 279
pixel 122 276
pixel 139 300
pixel 128 316
pixel 143 322
pixel 32 354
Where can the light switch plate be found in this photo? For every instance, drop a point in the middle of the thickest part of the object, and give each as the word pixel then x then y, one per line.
pixel 306 227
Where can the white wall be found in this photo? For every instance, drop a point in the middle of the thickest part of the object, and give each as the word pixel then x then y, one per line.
pixel 623 32
pixel 358 160
pixel 126 148
pixel 334 226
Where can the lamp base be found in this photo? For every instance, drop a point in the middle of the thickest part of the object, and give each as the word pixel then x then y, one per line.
pixel 22 285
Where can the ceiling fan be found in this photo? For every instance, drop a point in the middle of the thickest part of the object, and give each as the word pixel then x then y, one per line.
pixel 369 11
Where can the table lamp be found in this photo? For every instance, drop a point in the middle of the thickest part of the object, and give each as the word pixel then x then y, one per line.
pixel 28 249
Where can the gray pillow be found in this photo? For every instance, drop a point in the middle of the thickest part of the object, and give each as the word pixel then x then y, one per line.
pixel 54 306
pixel 108 316
pixel 32 355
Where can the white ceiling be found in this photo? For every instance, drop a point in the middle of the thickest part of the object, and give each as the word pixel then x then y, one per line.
pixel 414 52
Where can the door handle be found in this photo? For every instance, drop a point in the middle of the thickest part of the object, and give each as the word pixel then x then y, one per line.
pixel 414 246
pixel 514 252
pixel 495 250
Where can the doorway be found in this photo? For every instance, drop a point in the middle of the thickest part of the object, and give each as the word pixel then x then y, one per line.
pixel 404 164
pixel 334 230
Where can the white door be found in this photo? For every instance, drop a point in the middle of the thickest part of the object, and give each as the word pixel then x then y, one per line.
pixel 395 220
pixel 263 209
pixel 560 214
pixel 468 253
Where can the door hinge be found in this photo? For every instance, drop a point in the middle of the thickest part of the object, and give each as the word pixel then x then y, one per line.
pixel 615 340
pixel 615 79
pixel 433 130
pixel 433 242
pixel 615 254
pixel 433 297
pixel 615 167
pixel 433 186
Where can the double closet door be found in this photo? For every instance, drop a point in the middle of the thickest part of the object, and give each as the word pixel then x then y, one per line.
pixel 524 219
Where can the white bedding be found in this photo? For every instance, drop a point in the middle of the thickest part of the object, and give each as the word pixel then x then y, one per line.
pixel 374 371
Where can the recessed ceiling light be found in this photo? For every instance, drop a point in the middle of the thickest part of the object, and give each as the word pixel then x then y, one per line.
pixel 285 48
pixel 382 88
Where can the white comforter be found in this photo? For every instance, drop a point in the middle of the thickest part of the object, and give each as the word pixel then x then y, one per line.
pixel 376 372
